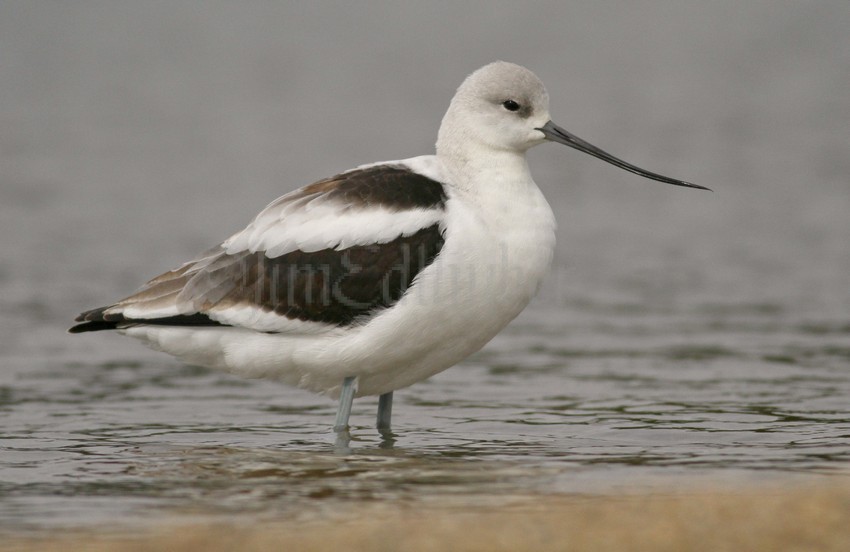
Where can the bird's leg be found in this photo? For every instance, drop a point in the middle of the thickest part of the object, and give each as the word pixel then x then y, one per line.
pixel 346 398
pixel 385 412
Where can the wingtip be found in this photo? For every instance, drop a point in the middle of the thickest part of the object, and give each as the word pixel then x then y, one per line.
pixel 93 326
pixel 94 320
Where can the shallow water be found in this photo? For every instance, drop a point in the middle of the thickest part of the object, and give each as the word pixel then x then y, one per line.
pixel 683 339
pixel 647 402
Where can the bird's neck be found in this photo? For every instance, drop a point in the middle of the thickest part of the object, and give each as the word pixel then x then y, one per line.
pixel 472 165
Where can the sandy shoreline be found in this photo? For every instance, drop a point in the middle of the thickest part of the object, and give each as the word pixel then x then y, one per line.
pixel 765 519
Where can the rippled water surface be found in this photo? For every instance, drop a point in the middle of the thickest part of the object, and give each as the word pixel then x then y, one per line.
pixel 644 402
pixel 684 338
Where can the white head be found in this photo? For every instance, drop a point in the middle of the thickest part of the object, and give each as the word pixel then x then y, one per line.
pixel 504 108
pixel 498 107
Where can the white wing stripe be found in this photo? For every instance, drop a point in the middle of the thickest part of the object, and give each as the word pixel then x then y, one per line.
pixel 250 316
pixel 326 226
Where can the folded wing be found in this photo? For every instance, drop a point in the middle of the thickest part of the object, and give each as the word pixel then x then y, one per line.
pixel 331 254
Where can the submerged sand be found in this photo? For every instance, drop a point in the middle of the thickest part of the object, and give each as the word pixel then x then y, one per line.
pixel 764 519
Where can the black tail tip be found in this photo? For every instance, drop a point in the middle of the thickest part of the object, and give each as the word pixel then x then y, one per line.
pixel 92 326
pixel 95 320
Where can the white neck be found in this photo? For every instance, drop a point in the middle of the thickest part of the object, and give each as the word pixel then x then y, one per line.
pixel 471 166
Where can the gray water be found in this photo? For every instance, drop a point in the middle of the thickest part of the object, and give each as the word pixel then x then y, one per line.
pixel 683 339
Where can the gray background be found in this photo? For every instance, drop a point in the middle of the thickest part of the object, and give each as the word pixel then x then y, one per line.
pixel 134 134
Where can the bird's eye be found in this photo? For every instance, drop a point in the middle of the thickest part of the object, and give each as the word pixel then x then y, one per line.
pixel 510 105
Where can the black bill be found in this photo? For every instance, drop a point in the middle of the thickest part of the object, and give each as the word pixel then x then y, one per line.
pixel 556 134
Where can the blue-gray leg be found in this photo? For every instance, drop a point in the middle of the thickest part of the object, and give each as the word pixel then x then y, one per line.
pixel 385 412
pixel 346 398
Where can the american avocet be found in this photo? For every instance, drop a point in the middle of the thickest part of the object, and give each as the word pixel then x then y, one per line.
pixel 379 277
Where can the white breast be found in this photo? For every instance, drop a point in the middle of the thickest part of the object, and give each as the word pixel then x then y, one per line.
pixel 496 254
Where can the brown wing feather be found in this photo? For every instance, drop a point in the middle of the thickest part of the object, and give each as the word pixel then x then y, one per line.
pixel 335 287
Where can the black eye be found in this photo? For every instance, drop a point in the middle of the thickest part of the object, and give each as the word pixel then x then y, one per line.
pixel 510 105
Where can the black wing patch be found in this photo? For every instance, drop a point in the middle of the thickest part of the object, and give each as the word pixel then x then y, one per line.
pixel 337 287
pixel 391 186
pixel 334 287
